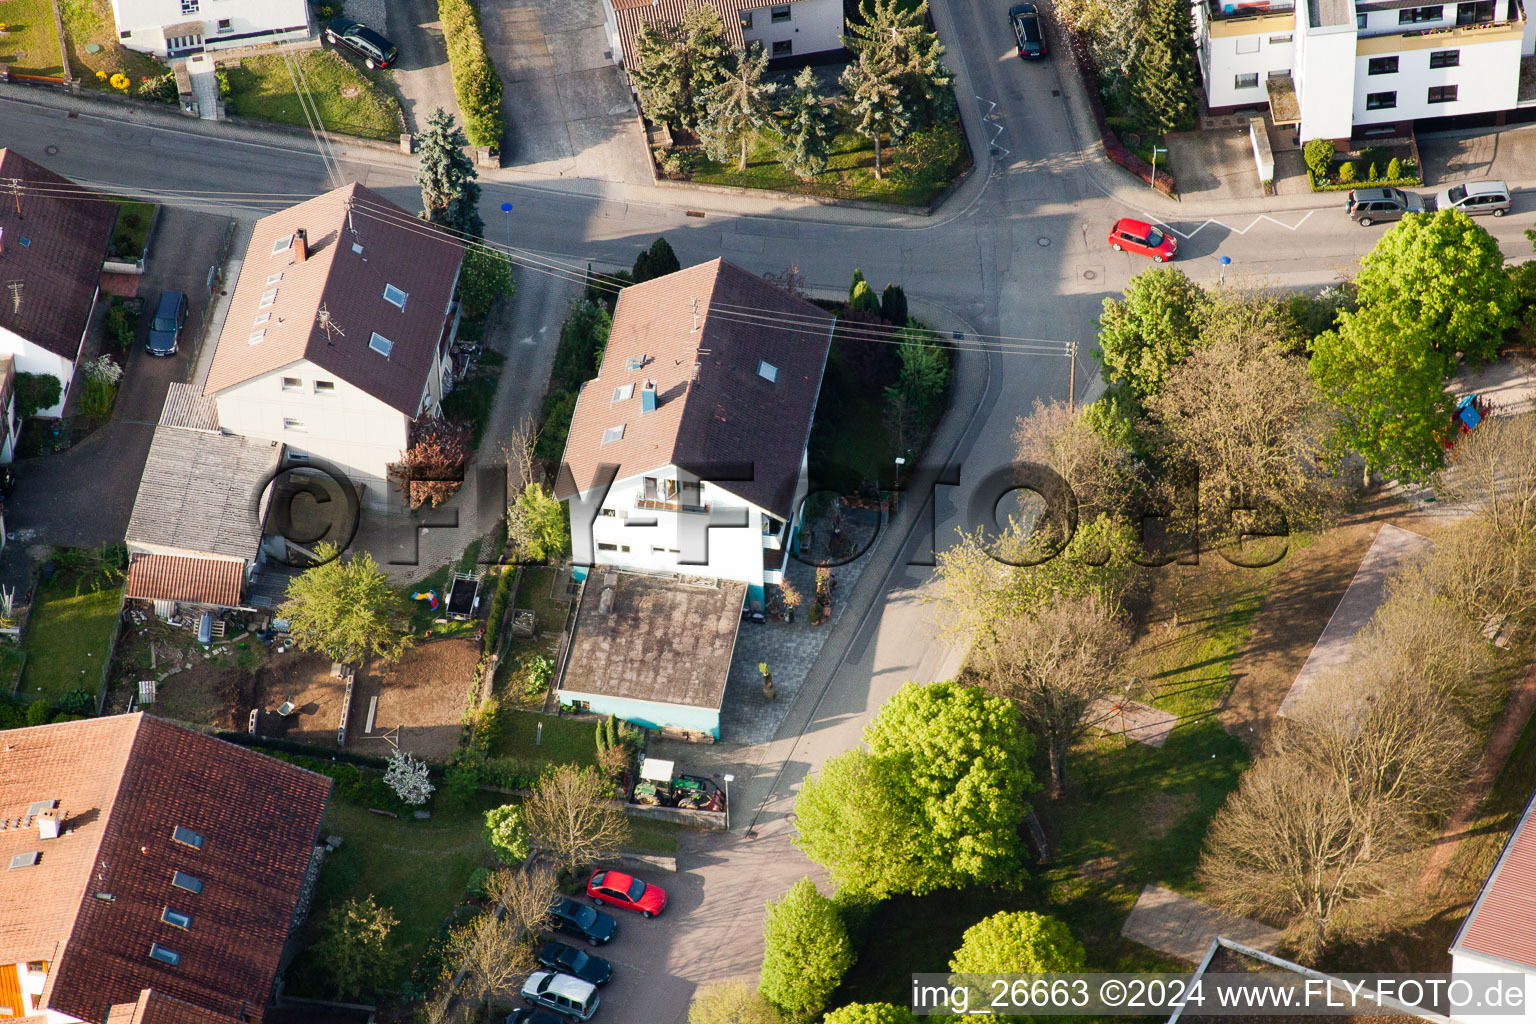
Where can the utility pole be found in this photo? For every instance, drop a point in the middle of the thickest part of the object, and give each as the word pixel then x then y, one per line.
pixel 1071 376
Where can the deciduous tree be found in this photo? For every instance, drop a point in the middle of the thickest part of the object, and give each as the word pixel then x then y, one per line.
pixel 870 1013
pixel 485 277
pixel 1152 329
pixel 1095 466
pixel 505 831
pixel 572 815
pixel 525 896
pixel 538 524
pixel 450 196
pixel 732 1002
pixel 353 949
pixel 851 822
pixel 1021 942
pixel 345 609
pixel 1494 474
pixel 409 777
pixel 806 951
pixel 495 954
pixel 431 470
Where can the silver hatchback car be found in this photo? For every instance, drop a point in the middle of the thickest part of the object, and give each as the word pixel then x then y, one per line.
pixel 1475 197
pixel 1367 206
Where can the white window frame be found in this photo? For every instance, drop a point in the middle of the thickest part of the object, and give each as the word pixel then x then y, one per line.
pixel 293 383
pixel 295 424
pixel 397 299
pixel 380 344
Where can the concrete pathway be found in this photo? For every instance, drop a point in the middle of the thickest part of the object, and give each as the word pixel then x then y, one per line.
pixel 1140 722
pixel 1392 548
pixel 1182 927
pixel 422 76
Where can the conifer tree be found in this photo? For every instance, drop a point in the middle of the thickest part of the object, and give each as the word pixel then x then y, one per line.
pixel 807 127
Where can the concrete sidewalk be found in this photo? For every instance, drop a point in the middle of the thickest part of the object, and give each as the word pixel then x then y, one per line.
pixel 1182 927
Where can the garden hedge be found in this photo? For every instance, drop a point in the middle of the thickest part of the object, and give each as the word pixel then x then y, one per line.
pixel 475 81
pixel 1345 186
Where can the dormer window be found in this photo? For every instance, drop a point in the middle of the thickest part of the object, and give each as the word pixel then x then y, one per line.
pixel 613 434
pixel 767 371
pixel 394 296
pixel 380 344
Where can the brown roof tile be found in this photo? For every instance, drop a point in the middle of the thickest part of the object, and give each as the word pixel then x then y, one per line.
pixel 211 581
pixel 731 414
pixel 1502 923
pixel 629 14
pixel 54 249
pixel 123 784
pixel 158 1008
pixel 397 249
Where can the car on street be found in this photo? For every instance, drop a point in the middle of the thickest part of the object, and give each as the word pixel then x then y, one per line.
pixel 533 1015
pixel 165 327
pixel 376 51
pixel 578 963
pixel 1367 206
pixel 582 921
pixel 1028 31
pixel 1143 239
pixel 617 889
pixel 562 993
pixel 1475 197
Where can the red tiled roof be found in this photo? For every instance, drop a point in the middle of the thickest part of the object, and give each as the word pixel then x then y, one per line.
pixel 123 784
pixel 630 13
pixel 210 581
pixel 59 266
pixel 1502 923
pixel 397 249
pixel 731 414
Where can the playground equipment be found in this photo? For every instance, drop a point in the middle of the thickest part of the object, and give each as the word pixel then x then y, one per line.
pixel 430 596
pixel 463 595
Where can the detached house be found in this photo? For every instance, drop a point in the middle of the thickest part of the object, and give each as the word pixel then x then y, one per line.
pixel 796 28
pixel 704 402
pixel 53 240
pixel 338 334
pixel 1499 933
pixel 183 28
pixel 152 874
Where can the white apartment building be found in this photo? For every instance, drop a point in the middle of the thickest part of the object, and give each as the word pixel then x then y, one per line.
pixel 170 29
pixel 1337 68
pixel 792 28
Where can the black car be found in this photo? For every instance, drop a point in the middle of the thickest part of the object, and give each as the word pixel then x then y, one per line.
pixel 557 956
pixel 376 51
pixel 1028 31
pixel 582 921
pixel 533 1015
pixel 165 328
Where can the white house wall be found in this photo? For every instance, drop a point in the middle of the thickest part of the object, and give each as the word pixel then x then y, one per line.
pixel 1463 964
pixel 1267 48
pixel 141 24
pixel 348 428
pixel 1324 79
pixel 32 358
pixel 813 27
pixel 1488 78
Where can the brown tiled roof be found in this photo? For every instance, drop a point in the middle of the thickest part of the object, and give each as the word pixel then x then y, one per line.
pixel 54 249
pixel 211 581
pixel 158 1008
pixel 630 13
pixel 397 249
pixel 92 903
pixel 731 414
pixel 1502 923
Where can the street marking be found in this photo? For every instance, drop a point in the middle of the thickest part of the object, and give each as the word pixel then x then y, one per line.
pixel 1229 227
pixel 991 120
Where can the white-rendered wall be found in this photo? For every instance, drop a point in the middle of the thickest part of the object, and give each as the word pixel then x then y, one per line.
pixel 32 358
pixel 1324 78
pixel 1488 78
pixel 146 19
pixel 1463 964
pixel 813 26
pixel 349 428
pixel 734 553
pixel 1226 63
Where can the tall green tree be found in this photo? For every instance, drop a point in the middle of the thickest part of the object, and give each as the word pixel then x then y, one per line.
pixel 353 949
pixel 657 261
pixel 1387 384
pixel 873 87
pixel 736 108
pixel 870 1013
pixel 345 609
pixel 909 56
pixel 677 64
pixel 449 195
pixel 924 376
pixel 806 951
pixel 807 126
pixel 1013 943
pixel 1164 74
pixel 1152 329
pixel 1442 276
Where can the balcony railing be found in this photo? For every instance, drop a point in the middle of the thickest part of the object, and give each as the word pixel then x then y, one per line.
pixel 668 506
pixel 1228 10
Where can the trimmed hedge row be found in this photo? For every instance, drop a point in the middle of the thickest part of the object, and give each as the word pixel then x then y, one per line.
pixel 475 81
pixel 1345 186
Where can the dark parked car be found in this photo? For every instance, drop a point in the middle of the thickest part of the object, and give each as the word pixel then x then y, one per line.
pixel 1367 206
pixel 578 963
pixel 1028 31
pixel 582 921
pixel 534 1015
pixel 376 51
pixel 165 328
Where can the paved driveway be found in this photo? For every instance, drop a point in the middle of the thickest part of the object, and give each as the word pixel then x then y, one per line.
pixel 422 76
pixel 568 107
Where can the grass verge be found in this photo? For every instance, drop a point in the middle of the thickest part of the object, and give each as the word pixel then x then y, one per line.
pixel 349 101
pixel 68 639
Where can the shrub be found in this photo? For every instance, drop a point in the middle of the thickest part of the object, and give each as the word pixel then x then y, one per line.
pixel 161 88
pixel 36 392
pixel 559 407
pixel 498 609
pixel 926 159
pixel 1371 174
pixel 1318 155
pixel 39 711
pixel 1394 169
pixel 1347 171
pixel 679 163
pixel 11 715
pixel 78 702
pixel 475 81
pixel 121 322
pixel 485 277
pixel 476 884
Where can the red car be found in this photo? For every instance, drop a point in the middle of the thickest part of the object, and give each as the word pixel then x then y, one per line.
pixel 620 890
pixel 1143 239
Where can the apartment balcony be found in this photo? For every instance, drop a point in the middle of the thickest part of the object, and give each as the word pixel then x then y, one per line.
pixel 1447 38
pixel 656 505
pixel 1232 10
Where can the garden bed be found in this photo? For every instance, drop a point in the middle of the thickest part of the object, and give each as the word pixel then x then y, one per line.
pixel 348 99
pixel 1363 162
pixel 130 235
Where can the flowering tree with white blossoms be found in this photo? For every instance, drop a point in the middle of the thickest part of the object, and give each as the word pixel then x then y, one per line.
pixel 407 776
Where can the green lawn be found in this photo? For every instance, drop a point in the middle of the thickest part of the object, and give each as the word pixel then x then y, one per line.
pixel 565 740
pixel 652 836
pixel 850 172
pixel 11 660
pixel 422 617
pixel 349 101
pixel 67 639
pixel 534 593
pixel 30 43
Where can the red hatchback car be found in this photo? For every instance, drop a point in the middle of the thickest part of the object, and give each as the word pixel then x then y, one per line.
pixel 1142 239
pixel 620 890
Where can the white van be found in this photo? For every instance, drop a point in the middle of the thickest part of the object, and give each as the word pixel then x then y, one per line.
pixel 562 993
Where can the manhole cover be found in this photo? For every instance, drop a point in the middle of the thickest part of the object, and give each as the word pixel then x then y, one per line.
pixel 1042 241
pixel 1089 275
pixel 51 150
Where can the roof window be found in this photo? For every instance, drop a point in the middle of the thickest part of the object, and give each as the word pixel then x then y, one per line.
pixel 165 956
pixel 623 393
pixel 176 918
pixel 767 371
pixel 636 362
pixel 182 880
pixel 267 298
pixel 182 834
pixel 380 344
pixel 257 335
pixel 24 860
pixel 274 277
pixel 648 398
pixel 394 296
pixel 613 434
pixel 261 318
pixel 282 244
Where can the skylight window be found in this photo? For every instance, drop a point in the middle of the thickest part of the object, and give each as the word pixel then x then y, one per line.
pixel 623 392
pixel 394 296
pixel 182 834
pixel 182 880
pixel 24 860
pixel 261 318
pixel 380 344
pixel 648 400
pixel 165 956
pixel 282 244
pixel 256 336
pixel 176 918
pixel 613 434
pixel 274 278
pixel 767 371
pixel 267 298
pixel 636 362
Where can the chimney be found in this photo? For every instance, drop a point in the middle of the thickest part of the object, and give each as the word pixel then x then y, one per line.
pixel 48 823
pixel 300 246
